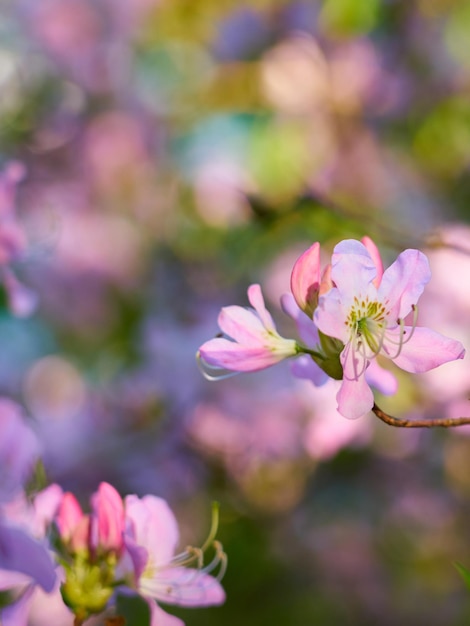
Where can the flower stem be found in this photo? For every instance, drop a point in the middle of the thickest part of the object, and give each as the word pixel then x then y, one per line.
pixel 438 422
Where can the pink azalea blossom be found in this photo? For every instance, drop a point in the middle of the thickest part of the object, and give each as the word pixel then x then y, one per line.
pixel 308 282
pixel 254 342
pixel 367 311
pixel 151 538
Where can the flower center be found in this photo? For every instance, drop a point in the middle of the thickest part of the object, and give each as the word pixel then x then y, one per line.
pixel 367 322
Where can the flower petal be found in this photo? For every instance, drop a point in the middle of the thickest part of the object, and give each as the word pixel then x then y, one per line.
pixel 242 325
pixel 154 525
pixel 381 379
pixel 375 256
pixel 330 316
pixel 255 298
pixel 354 398
pixel 404 281
pixel 353 271
pixel 17 614
pixel 241 358
pixel 305 279
pixel 159 617
pixel 304 367
pixel 183 586
pixel 21 553
pixel 425 350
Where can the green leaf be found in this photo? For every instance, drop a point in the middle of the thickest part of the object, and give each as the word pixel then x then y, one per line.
pixel 464 572
pixel 134 609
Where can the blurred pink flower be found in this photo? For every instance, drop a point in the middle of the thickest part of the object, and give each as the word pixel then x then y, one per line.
pixel 19 449
pixel 369 319
pixel 450 265
pixel 151 537
pixel 22 301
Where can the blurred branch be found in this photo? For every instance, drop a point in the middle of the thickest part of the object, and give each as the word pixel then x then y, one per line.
pixel 439 422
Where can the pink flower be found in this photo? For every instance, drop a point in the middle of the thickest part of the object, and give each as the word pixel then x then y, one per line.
pixel 366 311
pixel 151 537
pixel 254 342
pixel 308 283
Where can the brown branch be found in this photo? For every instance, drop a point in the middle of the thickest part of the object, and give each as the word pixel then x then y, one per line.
pixel 438 422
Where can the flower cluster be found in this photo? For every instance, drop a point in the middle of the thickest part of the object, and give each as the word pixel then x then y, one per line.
pixel 349 315
pixel 83 561
pixel 120 547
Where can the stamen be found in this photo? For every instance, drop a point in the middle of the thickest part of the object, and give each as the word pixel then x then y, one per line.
pixel 212 372
pixel 402 340
pixel 357 346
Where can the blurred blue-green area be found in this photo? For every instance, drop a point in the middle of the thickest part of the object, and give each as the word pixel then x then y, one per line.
pixel 179 151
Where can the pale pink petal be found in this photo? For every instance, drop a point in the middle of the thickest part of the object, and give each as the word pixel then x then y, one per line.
pixel 155 527
pixel 375 256
pixel 255 297
pixel 242 325
pixel 353 271
pixel 9 580
pixel 305 279
pixel 354 398
pixel 381 379
pixel 46 504
pixel 241 358
pixel 183 586
pixel 330 316
pixel 49 609
pixel 425 350
pixel 159 617
pixel 403 282
pixel 134 557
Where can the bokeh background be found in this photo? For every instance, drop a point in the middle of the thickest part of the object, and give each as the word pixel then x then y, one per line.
pixel 178 151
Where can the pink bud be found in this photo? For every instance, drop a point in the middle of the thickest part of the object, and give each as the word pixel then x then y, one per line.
pixel 107 519
pixel 305 279
pixel 69 516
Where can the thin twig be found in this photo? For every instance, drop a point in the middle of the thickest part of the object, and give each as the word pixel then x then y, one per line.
pixel 438 422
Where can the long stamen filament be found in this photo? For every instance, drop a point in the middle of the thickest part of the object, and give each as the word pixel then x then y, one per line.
pixel 402 339
pixel 212 372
